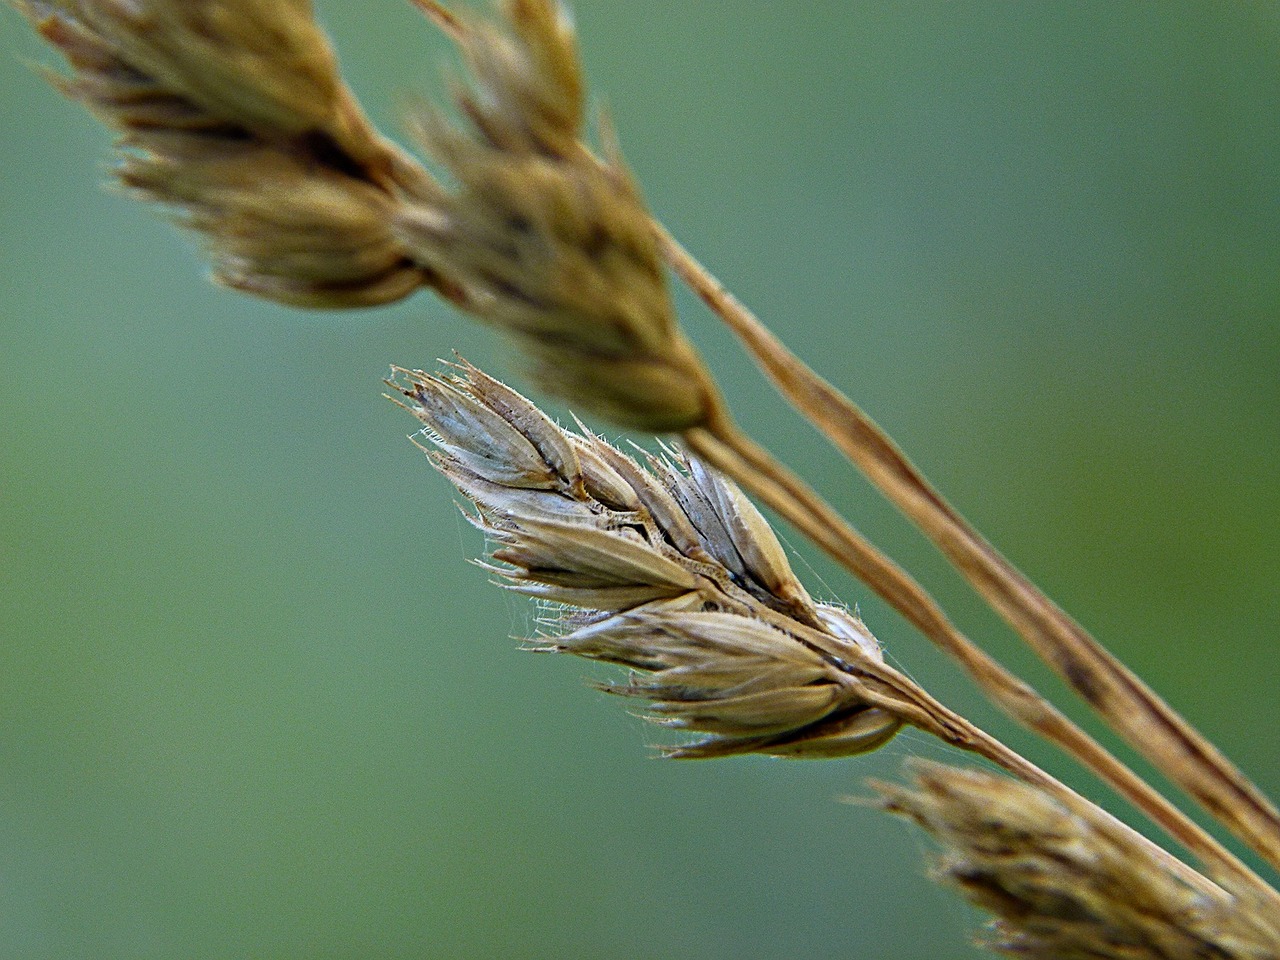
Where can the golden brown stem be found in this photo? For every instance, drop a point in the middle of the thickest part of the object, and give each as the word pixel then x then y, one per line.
pixel 933 717
pixel 726 448
pixel 1149 724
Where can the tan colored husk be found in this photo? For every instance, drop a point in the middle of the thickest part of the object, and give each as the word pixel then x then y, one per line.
pixel 671 573
pixel 261 64
pixel 547 243
pixel 1065 884
pixel 233 112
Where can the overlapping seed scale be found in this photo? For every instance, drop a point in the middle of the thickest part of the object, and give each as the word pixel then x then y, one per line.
pixel 733 635
pixel 260 63
pixel 741 674
pixel 274 223
pixel 848 627
pixel 751 714
pixel 700 655
pixel 109 86
pixel 659 392
pixel 615 556
pixel 702 515
pixel 500 237
pixel 602 482
pixel 480 438
pixel 629 640
pixel 583 590
pixel 509 502
pixel 752 537
pixel 860 731
pixel 605 599
pixel 532 80
pixel 553 444
pixel 709 681
pixel 657 500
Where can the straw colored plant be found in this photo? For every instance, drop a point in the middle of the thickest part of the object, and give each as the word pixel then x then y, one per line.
pixel 233 115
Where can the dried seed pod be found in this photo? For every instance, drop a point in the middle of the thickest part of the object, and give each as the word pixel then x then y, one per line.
pixel 484 441
pixel 234 113
pixel 1065 883
pixel 262 65
pixel 276 224
pixel 670 577
pixel 547 243
pixel 753 687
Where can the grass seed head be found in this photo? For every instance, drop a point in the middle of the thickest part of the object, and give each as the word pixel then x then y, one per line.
pixel 546 242
pixel 1065 883
pixel 233 113
pixel 670 573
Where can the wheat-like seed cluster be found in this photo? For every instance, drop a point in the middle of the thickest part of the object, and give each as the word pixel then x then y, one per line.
pixel 546 242
pixel 233 113
pixel 668 570
pixel 1065 884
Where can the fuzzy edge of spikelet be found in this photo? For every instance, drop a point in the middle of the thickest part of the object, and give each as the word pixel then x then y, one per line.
pixel 1065 884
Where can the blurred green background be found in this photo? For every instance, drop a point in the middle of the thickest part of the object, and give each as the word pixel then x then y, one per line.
pixel 255 703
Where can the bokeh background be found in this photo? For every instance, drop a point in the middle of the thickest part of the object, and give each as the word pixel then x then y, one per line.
pixel 255 703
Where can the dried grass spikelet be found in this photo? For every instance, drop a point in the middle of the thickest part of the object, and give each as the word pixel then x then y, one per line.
pixel 1065 883
pixel 233 112
pixel 668 571
pixel 548 243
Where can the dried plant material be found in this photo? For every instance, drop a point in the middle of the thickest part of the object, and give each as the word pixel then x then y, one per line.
pixel 261 64
pixel 745 681
pixel 1120 697
pixel 545 242
pixel 731 451
pixel 1065 884
pixel 233 112
pixel 699 600
pixel 280 226
pixel 671 572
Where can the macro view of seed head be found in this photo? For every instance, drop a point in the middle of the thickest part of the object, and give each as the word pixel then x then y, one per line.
pixel 861 404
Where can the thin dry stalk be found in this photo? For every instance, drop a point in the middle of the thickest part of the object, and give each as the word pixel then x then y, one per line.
pixel 1135 711
pixel 729 450
pixel 1064 884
